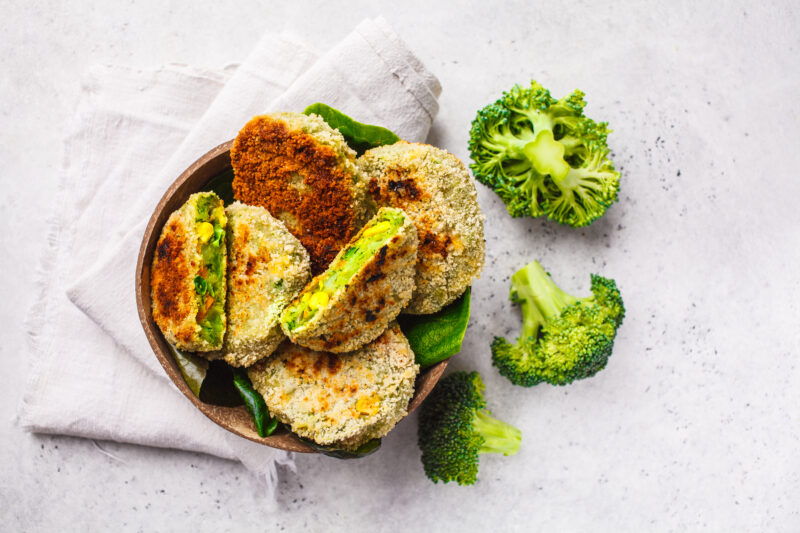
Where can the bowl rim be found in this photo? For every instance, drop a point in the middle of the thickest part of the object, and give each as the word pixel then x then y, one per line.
pixel 232 419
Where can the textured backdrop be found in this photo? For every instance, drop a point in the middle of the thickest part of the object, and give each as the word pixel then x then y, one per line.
pixel 694 424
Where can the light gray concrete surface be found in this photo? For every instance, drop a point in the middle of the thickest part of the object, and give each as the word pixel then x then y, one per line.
pixel 693 426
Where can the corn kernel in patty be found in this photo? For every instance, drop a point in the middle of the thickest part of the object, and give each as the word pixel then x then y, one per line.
pixel 204 231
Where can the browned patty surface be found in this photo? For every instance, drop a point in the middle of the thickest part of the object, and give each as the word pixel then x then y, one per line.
pixel 299 181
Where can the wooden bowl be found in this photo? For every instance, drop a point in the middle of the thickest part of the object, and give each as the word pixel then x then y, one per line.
pixel 235 419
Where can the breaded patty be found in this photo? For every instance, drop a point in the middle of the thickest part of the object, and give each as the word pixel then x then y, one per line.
pixel 435 189
pixel 302 171
pixel 343 400
pixel 187 275
pixel 267 267
pixel 366 286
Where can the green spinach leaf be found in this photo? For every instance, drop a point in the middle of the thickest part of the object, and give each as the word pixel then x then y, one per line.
pixel 360 137
pixel 434 338
pixel 254 403
pixel 192 367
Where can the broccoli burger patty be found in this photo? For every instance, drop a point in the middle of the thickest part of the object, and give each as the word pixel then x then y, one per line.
pixel 435 189
pixel 304 173
pixel 342 400
pixel 363 290
pixel 187 276
pixel 267 267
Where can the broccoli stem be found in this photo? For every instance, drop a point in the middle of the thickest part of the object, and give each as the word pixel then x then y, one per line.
pixel 539 297
pixel 539 146
pixel 498 436
pixel 547 155
pixel 532 318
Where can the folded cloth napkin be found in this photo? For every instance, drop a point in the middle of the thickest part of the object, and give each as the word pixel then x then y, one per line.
pixel 358 76
pixel 93 373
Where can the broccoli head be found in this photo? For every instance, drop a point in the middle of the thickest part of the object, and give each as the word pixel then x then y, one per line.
pixel 455 427
pixel 563 337
pixel 542 156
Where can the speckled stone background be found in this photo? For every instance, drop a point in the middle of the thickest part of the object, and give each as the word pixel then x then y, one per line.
pixel 694 425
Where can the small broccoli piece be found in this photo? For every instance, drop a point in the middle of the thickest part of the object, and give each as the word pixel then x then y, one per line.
pixel 454 427
pixel 542 156
pixel 563 337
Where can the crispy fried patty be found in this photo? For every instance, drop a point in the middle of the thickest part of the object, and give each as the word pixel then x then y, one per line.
pixel 361 310
pixel 267 267
pixel 342 400
pixel 174 306
pixel 435 189
pixel 302 171
pixel 176 263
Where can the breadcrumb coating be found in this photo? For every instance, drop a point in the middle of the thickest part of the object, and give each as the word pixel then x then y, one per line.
pixel 267 267
pixel 176 262
pixel 339 399
pixel 436 190
pixel 362 309
pixel 302 171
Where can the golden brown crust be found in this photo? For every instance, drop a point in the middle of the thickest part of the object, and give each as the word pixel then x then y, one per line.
pixel 299 181
pixel 267 267
pixel 361 310
pixel 173 306
pixel 176 262
pixel 343 400
pixel 435 189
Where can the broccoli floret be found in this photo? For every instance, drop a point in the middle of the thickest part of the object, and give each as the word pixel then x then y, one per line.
pixel 563 337
pixel 454 427
pixel 542 156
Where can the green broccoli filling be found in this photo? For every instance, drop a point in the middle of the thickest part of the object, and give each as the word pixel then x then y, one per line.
pixel 209 283
pixel 372 238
